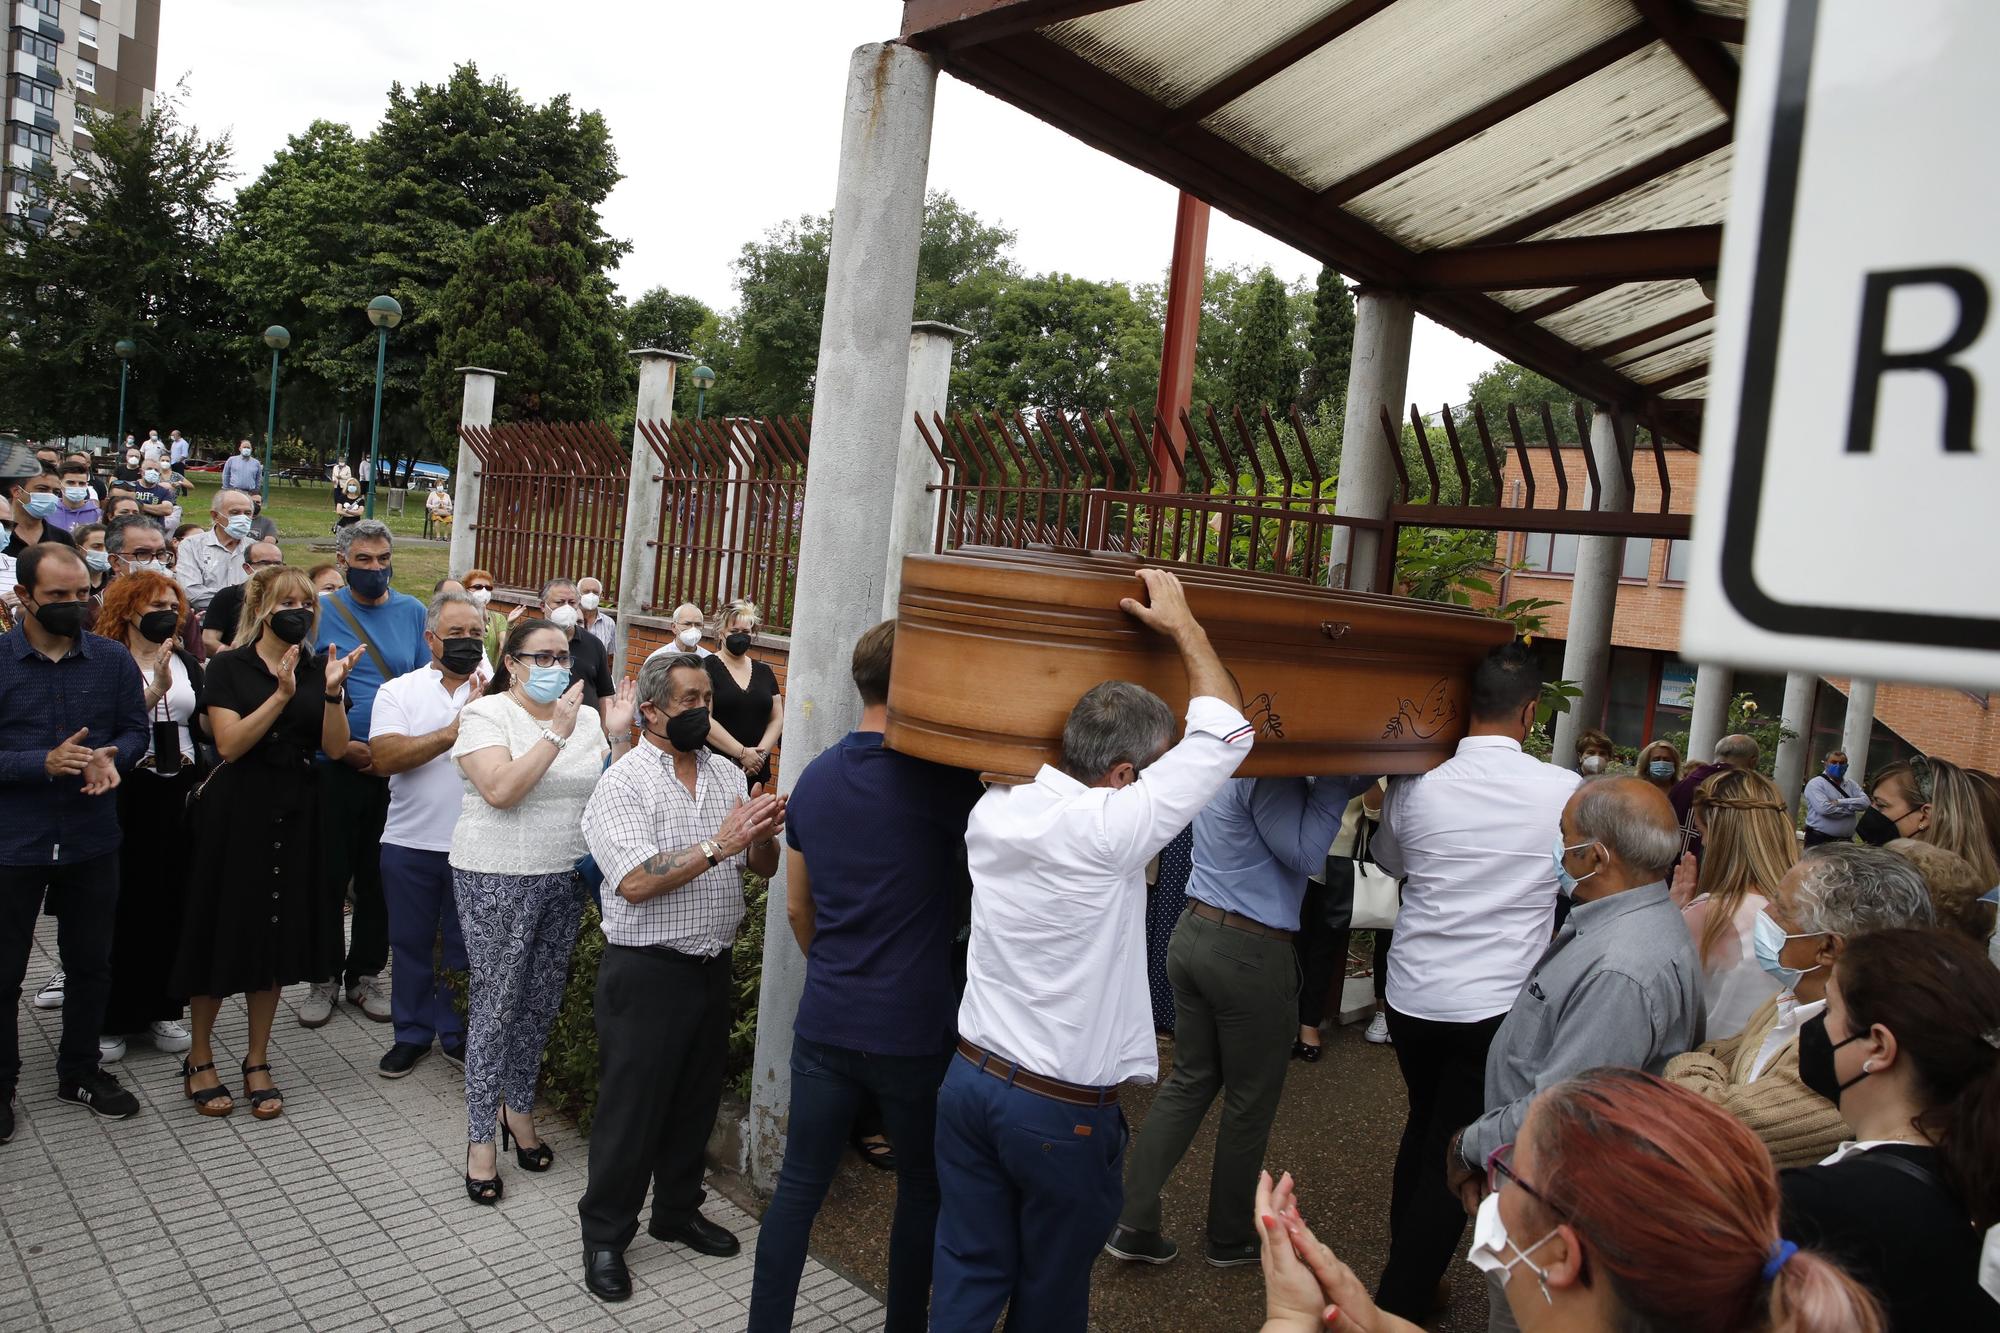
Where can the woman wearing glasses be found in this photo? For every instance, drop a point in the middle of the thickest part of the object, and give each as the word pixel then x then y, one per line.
pixel 530 754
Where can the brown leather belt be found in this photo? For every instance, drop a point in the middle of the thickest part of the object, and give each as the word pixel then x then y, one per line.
pixel 1076 1094
pixel 1237 921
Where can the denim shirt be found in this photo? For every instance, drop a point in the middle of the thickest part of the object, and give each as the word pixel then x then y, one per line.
pixel 1620 985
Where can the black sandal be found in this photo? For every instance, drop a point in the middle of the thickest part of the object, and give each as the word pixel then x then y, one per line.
pixel 261 1098
pixel 1306 1051
pixel 204 1099
pixel 486 1192
pixel 880 1154
pixel 537 1158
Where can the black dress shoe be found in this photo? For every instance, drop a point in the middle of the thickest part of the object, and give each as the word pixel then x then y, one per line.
pixel 698 1234
pixel 605 1275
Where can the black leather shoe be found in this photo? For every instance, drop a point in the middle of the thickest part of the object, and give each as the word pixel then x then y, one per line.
pixel 400 1059
pixel 1231 1256
pixel 698 1234
pixel 605 1275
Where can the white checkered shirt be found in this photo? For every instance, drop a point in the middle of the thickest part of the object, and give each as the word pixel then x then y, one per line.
pixel 641 809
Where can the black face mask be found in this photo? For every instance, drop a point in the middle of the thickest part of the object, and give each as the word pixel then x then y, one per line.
pixel 293 625
pixel 686 732
pixel 62 619
pixel 1816 1069
pixel 461 656
pixel 737 643
pixel 158 626
pixel 1877 829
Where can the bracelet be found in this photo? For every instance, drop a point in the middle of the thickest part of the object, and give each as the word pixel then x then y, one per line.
pixel 558 741
pixel 339 698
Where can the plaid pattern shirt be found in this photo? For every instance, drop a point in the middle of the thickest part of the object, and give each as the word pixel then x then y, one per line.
pixel 639 810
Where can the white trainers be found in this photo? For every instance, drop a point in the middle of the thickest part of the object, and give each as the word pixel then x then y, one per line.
pixel 170 1035
pixel 50 996
pixel 110 1050
pixel 1378 1029
pixel 317 1007
pixel 371 996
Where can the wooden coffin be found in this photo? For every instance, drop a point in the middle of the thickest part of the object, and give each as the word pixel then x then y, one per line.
pixel 995 645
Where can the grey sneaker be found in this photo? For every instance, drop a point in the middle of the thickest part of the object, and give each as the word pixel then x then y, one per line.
pixel 371 996
pixel 317 1007
pixel 170 1035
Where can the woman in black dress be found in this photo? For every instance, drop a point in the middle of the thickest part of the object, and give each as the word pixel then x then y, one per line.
pixel 747 712
pixel 255 922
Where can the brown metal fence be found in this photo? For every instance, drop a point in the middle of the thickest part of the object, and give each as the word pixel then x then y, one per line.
pixel 551 502
pixel 733 496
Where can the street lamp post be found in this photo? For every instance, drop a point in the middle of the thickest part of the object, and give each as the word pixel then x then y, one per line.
pixel 385 313
pixel 704 380
pixel 277 339
pixel 126 350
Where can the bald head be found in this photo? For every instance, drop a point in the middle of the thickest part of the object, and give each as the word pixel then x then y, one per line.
pixel 1738 751
pixel 1632 834
pixel 688 616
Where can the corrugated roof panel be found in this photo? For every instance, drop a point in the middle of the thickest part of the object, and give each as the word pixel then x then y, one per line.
pixel 1172 49
pixel 1695 352
pixel 1696 389
pixel 1521 300
pixel 1637 108
pixel 1695 195
pixel 1408 71
pixel 1734 9
pixel 1663 343
pixel 1623 310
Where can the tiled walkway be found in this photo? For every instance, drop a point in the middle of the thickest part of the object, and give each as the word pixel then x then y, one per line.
pixel 346 1213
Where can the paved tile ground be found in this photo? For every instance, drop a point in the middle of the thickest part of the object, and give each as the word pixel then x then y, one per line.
pixel 346 1212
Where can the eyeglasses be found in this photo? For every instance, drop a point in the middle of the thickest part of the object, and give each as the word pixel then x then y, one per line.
pixel 544 659
pixel 1497 1169
pixel 480 587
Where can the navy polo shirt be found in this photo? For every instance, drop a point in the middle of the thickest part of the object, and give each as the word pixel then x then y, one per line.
pixel 883 836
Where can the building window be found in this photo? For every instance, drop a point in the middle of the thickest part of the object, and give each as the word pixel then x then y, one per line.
pixel 41 48
pixel 1679 553
pixel 86 30
pixel 1638 559
pixel 86 76
pixel 1550 553
pixel 39 95
pixel 53 8
pixel 33 140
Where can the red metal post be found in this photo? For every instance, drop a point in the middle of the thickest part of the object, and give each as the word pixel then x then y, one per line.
pixel 1184 283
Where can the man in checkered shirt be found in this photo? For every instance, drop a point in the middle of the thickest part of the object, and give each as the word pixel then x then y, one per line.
pixel 673 830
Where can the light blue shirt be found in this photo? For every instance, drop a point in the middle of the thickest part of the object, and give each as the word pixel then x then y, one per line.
pixel 1258 840
pixel 242 474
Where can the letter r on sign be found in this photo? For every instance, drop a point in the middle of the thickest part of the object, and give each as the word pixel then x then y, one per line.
pixel 1873 360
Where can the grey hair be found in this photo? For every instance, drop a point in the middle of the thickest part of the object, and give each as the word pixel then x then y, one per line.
pixel 1114 723
pixel 444 599
pixel 1648 841
pixel 365 530
pixel 114 531
pixel 656 672
pixel 699 613
pixel 1847 889
pixel 1741 751
pixel 552 585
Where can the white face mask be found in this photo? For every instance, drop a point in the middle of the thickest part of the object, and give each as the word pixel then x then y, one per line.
pixel 482 595
pixel 563 617
pixel 589 601
pixel 691 636
pixel 1490 1247
pixel 244 452
pixel 1591 763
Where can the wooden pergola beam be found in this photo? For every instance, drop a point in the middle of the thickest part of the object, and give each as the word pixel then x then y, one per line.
pixel 1617 183
pixel 951 25
pixel 1637 256
pixel 1705 59
pixel 1271 63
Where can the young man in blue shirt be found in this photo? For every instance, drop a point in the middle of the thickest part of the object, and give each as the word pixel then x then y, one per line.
pixel 354 799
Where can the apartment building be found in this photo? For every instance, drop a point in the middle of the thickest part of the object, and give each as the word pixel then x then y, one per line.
pixel 64 56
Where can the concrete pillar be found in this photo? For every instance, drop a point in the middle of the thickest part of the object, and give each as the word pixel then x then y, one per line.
pixel 1712 688
pixel 858 405
pixel 1378 376
pixel 477 410
pixel 1860 727
pixel 913 520
pixel 639 559
pixel 1594 591
pixel 1794 755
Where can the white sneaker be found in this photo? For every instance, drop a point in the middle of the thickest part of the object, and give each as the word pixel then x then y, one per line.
pixel 1378 1029
pixel 50 996
pixel 317 1007
pixel 371 996
pixel 170 1035
pixel 110 1050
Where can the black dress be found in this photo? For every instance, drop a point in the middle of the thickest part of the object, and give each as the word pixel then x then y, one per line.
pixel 743 713
pixel 255 914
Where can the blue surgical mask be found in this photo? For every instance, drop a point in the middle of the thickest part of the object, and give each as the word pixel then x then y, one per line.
pixel 238 526
pixel 545 684
pixel 152 475
pixel 76 495
pixel 1767 941
pixel 1564 880
pixel 43 503
pixel 97 561
pixel 369 583
pixel 1661 768
pixel 1836 771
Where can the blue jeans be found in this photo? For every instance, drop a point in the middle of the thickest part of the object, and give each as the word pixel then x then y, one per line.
pixel 416 887
pixel 1031 1188
pixel 829 1083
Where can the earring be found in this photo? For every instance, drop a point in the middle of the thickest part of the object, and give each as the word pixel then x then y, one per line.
pixel 1867 1066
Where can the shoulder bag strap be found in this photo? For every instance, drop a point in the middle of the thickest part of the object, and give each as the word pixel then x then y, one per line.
pixel 375 654
pixel 1914 1170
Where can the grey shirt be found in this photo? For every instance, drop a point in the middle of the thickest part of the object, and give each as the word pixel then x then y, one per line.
pixel 1620 985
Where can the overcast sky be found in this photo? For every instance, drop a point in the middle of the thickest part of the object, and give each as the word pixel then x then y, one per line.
pixel 726 118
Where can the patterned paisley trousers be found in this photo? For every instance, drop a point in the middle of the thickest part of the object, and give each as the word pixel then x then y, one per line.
pixel 519 930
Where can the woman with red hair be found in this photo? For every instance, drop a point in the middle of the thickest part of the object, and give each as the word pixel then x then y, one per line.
pixel 1627 1204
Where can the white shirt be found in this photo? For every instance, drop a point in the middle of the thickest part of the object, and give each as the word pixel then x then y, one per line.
pixel 542 835
pixel 1473 840
pixel 642 809
pixel 1791 1017
pixel 1734 985
pixel 176 707
pixel 604 630
pixel 1056 972
pixel 205 567
pixel 423 801
pixel 674 649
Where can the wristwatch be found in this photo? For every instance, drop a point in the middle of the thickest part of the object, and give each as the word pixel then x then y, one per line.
pixel 711 851
pixel 558 741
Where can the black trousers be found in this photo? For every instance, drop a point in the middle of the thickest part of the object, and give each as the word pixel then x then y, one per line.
pixel 662 1041
pixel 83 898
pixel 1444 1070
pixel 353 808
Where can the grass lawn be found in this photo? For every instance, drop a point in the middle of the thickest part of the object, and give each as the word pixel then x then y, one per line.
pixel 304 515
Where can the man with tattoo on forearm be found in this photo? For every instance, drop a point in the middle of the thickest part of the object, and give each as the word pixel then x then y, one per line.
pixel 673 830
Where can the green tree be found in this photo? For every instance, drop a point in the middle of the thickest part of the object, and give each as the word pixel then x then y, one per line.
pixel 1264 369
pixel 667 320
pixel 1507 384
pixel 1055 341
pixel 1329 346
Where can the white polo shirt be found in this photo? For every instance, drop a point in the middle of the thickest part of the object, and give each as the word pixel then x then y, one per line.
pixel 1056 971
pixel 423 802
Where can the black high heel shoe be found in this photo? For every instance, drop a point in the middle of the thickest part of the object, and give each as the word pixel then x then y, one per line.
pixel 538 1158
pixel 486 1192
pixel 1306 1052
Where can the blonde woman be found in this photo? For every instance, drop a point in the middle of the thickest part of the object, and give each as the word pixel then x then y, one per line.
pixel 1748 846
pixel 1659 764
pixel 747 713
pixel 256 919
pixel 1934 801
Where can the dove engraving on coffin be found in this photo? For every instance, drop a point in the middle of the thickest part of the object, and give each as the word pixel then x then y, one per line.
pixel 1263 713
pixel 1424 720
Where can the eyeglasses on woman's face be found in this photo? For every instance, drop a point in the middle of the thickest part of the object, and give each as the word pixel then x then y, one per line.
pixel 1499 1167
pixel 560 658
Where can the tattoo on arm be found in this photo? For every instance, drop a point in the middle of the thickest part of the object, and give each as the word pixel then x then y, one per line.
pixel 662 864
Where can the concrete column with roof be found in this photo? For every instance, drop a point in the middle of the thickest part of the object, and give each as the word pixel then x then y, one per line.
pixel 1594 589
pixel 1794 755
pixel 639 557
pixel 858 404
pixel 1860 728
pixel 1377 377
pixel 1713 686
pixel 476 409
pixel 913 516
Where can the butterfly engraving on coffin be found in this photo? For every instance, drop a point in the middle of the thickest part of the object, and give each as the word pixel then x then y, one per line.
pixel 1424 720
pixel 1263 714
